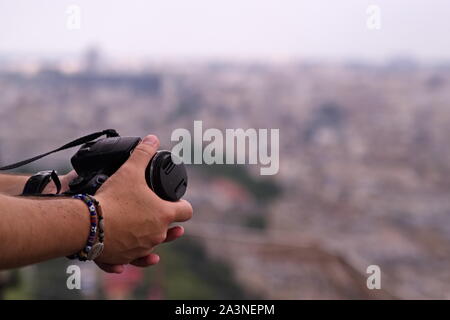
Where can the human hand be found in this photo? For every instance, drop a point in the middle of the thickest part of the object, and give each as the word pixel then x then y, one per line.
pixel 136 219
pixel 64 180
pixel 146 261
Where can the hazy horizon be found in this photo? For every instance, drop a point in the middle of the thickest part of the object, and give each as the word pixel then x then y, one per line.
pixel 232 30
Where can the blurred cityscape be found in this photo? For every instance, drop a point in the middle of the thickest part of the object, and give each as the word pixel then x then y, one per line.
pixel 364 173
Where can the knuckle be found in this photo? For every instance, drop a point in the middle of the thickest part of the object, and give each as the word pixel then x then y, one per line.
pixel 142 253
pixel 160 238
pixel 167 214
pixel 144 149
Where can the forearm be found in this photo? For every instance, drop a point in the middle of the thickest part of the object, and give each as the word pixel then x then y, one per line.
pixel 34 230
pixel 12 184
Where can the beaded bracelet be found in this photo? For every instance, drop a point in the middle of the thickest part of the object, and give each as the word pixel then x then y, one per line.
pixel 92 250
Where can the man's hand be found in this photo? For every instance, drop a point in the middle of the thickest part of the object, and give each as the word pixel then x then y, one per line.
pixel 13 184
pixel 65 179
pixel 136 219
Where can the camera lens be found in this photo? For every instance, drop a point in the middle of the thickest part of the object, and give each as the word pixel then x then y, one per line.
pixel 166 176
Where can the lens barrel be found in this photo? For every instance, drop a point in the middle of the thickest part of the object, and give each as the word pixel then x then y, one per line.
pixel 166 176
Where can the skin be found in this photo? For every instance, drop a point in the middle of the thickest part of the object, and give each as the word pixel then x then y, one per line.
pixel 11 184
pixel 36 229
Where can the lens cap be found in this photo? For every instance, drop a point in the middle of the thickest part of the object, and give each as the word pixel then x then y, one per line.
pixel 166 178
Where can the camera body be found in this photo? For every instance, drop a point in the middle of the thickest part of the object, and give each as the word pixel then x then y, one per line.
pixel 96 161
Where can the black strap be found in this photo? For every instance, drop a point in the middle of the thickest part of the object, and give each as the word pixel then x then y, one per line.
pixel 37 183
pixel 108 132
pixel 56 181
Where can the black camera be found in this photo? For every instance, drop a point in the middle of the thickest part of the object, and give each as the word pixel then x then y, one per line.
pixel 97 160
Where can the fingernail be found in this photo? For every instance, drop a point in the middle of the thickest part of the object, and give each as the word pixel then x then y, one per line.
pixel 150 140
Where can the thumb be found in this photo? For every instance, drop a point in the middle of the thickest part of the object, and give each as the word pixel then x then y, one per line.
pixel 145 151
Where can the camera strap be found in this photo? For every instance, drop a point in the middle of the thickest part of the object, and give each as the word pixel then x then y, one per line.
pixel 110 133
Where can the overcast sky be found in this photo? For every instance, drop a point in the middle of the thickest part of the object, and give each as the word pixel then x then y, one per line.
pixel 332 29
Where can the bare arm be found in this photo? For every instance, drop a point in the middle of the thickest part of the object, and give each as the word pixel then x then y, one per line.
pixel 136 220
pixel 34 230
pixel 12 184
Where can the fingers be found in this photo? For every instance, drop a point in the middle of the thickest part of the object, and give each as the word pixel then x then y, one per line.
pixel 145 151
pixel 66 179
pixel 111 268
pixel 71 175
pixel 146 261
pixel 152 259
pixel 183 211
pixel 174 233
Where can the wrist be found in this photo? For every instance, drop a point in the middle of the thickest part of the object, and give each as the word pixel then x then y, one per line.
pixel 95 240
pixel 111 226
pixel 64 180
pixel 79 222
pixel 38 182
pixel 12 184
